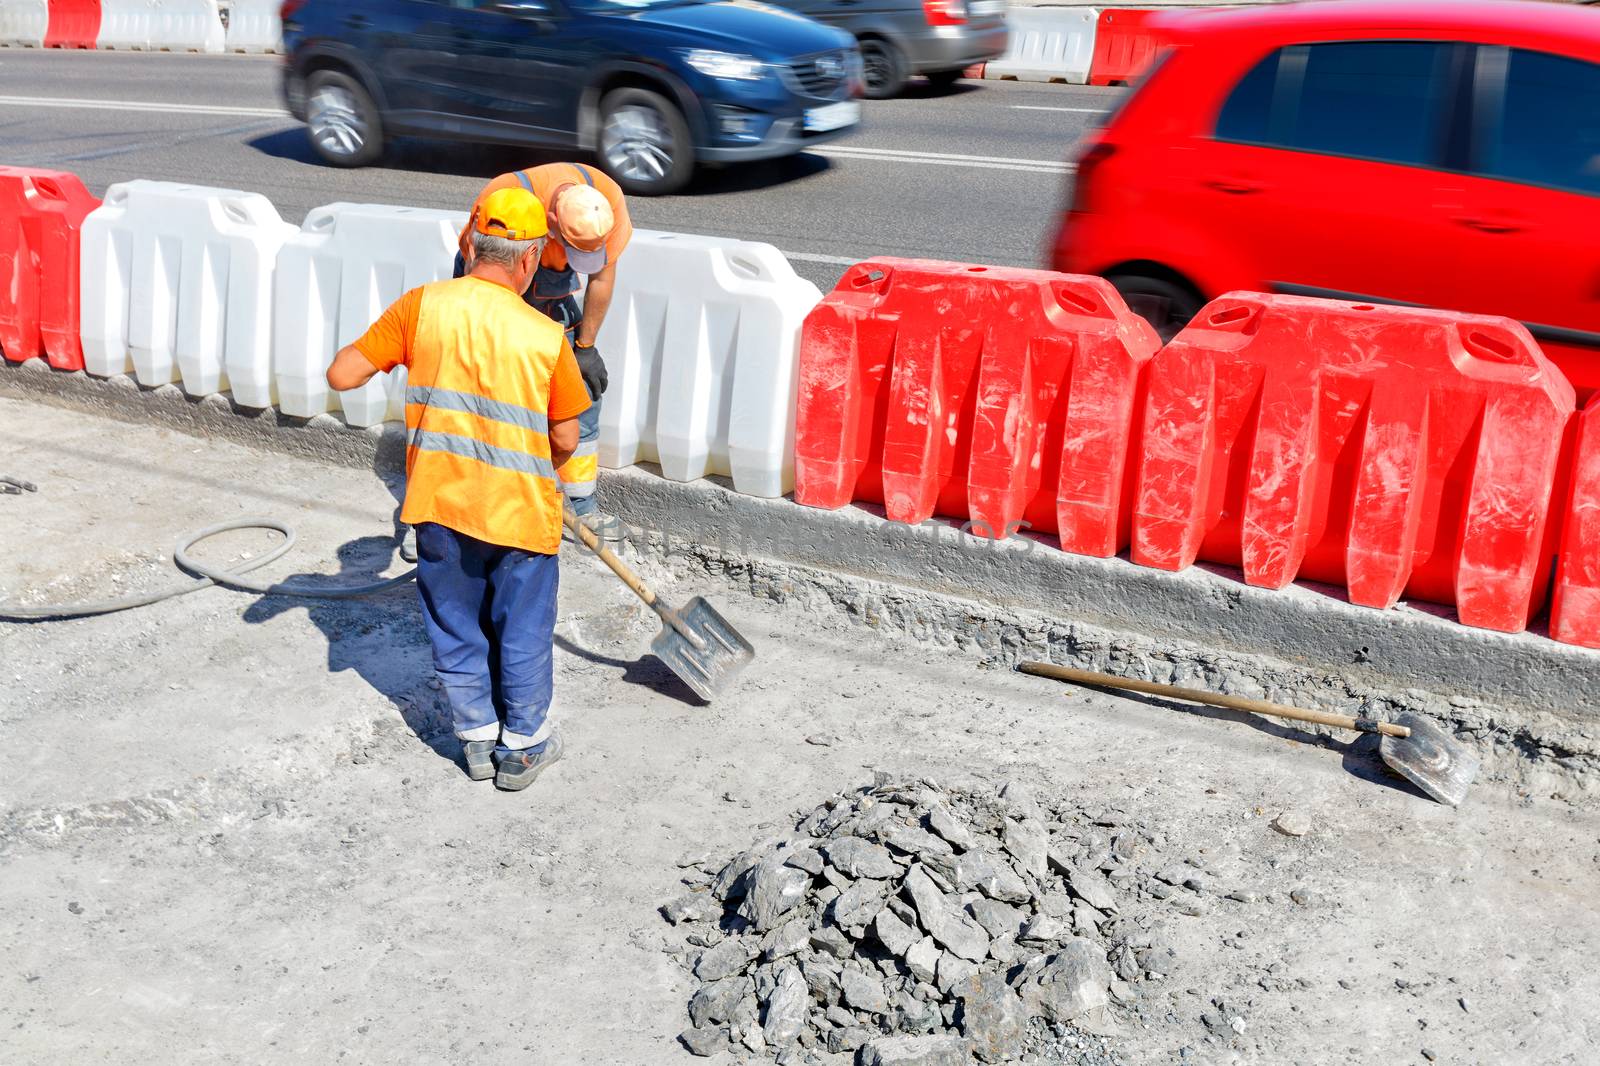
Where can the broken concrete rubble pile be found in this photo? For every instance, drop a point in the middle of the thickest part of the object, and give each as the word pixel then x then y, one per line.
pixel 913 924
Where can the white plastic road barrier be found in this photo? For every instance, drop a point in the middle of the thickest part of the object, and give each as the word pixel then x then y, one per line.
pixel 188 26
pixel 24 22
pixel 335 277
pixel 178 286
pixel 125 24
pixel 1047 44
pixel 701 345
pixel 161 25
pixel 254 26
pixel 105 260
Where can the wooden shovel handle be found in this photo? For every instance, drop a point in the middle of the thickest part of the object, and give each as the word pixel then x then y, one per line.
pixel 609 557
pixel 629 578
pixel 1215 699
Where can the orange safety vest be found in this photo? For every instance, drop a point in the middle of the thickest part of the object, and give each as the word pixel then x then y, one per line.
pixel 477 398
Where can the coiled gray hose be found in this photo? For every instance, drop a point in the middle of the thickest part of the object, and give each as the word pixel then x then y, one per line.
pixel 208 576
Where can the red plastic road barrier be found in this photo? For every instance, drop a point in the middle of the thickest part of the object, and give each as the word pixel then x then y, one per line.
pixel 1123 47
pixel 73 24
pixel 1575 605
pixel 41 212
pixel 996 394
pixel 974 71
pixel 1386 449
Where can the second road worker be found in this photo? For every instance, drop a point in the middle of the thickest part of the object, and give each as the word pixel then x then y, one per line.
pixel 493 402
pixel 589 227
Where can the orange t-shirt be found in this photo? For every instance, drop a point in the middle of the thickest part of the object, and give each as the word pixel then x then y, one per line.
pixel 546 180
pixel 387 344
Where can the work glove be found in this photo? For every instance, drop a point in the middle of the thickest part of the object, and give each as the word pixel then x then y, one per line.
pixel 593 369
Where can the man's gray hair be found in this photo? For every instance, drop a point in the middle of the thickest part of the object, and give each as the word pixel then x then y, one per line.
pixel 498 250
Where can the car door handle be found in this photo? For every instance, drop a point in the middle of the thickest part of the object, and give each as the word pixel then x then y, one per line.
pixel 1488 225
pixel 357 22
pixel 1235 186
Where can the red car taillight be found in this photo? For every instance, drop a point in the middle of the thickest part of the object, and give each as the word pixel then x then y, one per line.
pixel 945 12
pixel 1088 163
pixel 287 11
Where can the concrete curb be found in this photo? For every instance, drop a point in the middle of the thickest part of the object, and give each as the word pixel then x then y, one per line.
pixel 1521 696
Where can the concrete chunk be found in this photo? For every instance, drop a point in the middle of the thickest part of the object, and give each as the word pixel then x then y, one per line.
pixel 914 1051
pixel 715 1001
pixel 992 1017
pixel 943 920
pixel 726 959
pixel 691 907
pixel 786 1008
pixel 1072 982
pixel 855 857
pixel 941 821
pixel 786 940
pixel 923 959
pixel 913 841
pixel 1093 889
pixel 863 992
pixel 894 934
pixel 705 1042
pixel 859 904
pixel 775 890
pixel 1028 842
pixel 999 919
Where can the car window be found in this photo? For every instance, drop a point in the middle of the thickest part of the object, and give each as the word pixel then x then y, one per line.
pixel 1544 127
pixel 1382 100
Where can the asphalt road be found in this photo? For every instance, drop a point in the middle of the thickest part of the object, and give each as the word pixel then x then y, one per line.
pixel 976 174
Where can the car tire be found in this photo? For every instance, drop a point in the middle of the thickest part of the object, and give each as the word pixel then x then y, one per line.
pixel 644 142
pixel 943 79
pixel 1166 305
pixel 883 67
pixel 342 120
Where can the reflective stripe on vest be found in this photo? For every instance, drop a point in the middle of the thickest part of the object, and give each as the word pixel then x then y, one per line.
pixel 579 473
pixel 478 392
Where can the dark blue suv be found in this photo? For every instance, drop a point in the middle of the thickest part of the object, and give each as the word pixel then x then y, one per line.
pixel 650 86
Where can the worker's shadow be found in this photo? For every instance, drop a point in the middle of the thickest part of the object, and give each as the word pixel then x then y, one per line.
pixel 380 637
pixel 646 670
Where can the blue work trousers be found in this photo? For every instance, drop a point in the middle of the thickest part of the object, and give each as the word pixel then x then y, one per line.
pixel 490 613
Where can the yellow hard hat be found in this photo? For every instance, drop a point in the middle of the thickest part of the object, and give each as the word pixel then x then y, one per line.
pixel 515 214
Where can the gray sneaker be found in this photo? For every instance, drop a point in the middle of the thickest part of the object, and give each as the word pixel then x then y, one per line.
pixel 480 758
pixel 519 769
pixel 408 545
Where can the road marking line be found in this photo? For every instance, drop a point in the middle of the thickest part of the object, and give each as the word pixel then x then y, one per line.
pixel 890 155
pixel 1073 110
pixel 144 105
pixel 886 155
pixel 919 154
pixel 830 260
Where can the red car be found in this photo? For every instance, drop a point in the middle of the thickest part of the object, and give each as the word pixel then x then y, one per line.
pixel 1444 155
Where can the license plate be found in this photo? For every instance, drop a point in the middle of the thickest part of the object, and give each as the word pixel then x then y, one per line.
pixel 985 8
pixel 832 117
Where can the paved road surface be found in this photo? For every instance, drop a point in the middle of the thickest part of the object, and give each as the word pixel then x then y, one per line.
pixel 975 175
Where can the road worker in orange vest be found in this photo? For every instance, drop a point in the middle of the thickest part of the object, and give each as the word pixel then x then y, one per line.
pixel 493 401
pixel 589 228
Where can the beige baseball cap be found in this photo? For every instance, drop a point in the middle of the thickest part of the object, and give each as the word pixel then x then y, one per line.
pixel 584 220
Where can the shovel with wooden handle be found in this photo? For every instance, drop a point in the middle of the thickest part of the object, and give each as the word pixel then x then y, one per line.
pixel 695 641
pixel 1412 745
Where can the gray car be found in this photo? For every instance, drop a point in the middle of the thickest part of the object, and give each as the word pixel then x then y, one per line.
pixel 935 38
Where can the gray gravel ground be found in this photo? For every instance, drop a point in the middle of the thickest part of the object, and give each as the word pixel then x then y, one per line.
pixel 233 830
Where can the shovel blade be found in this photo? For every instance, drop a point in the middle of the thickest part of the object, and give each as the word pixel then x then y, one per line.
pixel 711 668
pixel 1430 759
